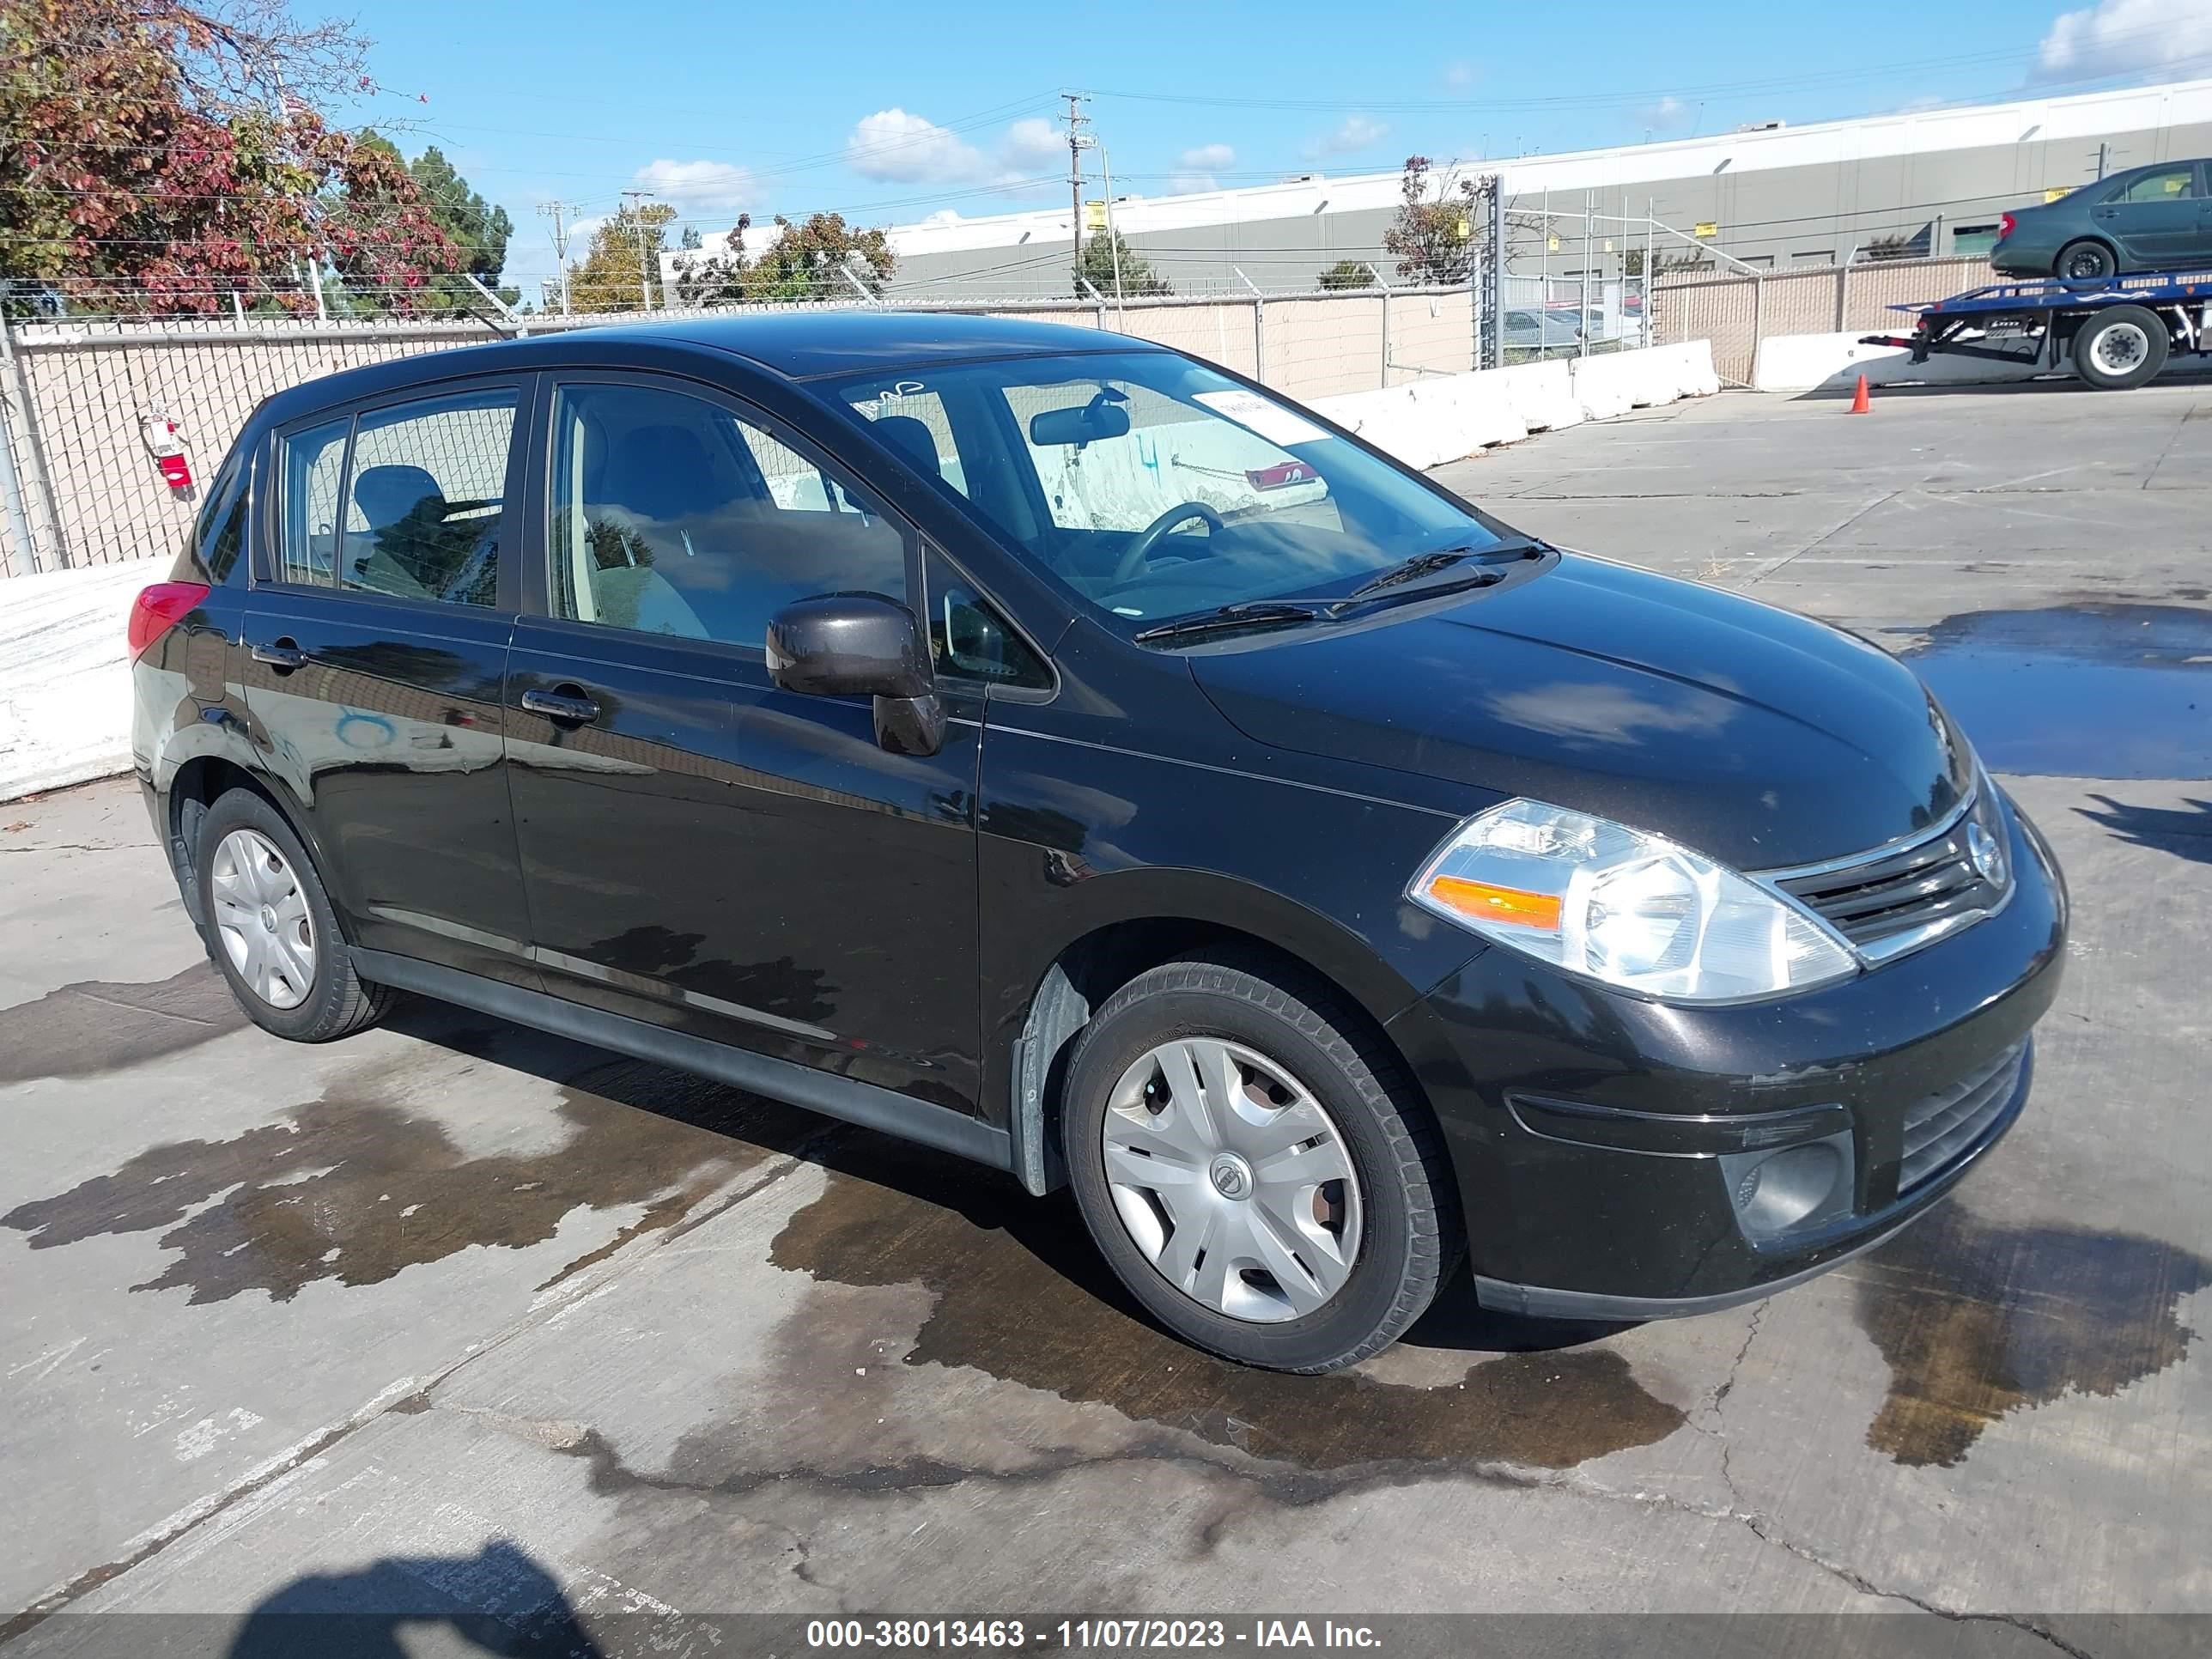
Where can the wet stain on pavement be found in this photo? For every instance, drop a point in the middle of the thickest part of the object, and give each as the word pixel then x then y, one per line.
pixel 1979 1320
pixel 1022 1294
pixel 352 1188
pixel 2085 691
pixel 96 1026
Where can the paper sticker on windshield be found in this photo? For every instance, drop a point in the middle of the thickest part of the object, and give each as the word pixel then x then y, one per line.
pixel 1270 420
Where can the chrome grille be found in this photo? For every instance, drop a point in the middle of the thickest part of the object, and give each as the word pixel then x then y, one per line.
pixel 1890 901
pixel 1943 1128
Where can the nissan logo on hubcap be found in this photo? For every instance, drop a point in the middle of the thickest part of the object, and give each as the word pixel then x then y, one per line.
pixel 1231 1178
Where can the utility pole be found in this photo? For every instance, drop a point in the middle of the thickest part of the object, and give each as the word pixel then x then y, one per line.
pixel 2104 158
pixel 1078 142
pixel 554 210
pixel 637 200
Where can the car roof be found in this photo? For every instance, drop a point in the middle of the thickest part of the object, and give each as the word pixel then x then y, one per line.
pixel 796 344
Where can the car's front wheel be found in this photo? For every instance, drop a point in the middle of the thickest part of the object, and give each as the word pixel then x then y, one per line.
pixel 1256 1167
pixel 271 929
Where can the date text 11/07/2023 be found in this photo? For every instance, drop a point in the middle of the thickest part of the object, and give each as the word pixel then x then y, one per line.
pixel 1076 1635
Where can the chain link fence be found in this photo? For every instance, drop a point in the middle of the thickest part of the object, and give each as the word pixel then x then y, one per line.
pixel 1737 312
pixel 81 486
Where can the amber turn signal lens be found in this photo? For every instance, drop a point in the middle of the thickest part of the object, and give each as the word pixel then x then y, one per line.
pixel 1487 902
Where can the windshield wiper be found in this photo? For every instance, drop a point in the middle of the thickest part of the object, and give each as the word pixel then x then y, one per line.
pixel 1492 560
pixel 1421 564
pixel 1265 613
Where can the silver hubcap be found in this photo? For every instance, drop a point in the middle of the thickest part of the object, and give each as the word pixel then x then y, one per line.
pixel 1231 1179
pixel 263 919
pixel 2120 348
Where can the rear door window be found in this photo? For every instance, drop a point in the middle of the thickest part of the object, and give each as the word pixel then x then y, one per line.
pixel 2166 184
pixel 426 498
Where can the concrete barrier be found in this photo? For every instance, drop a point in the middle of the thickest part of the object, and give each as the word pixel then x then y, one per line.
pixel 1451 418
pixel 1833 362
pixel 1812 362
pixel 65 675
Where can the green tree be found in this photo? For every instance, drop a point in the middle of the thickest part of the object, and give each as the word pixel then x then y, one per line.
pixel 1347 273
pixel 612 276
pixel 479 229
pixel 1102 253
pixel 1433 240
pixel 800 262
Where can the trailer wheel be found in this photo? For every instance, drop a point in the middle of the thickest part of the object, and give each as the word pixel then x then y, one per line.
pixel 2119 350
pixel 2087 261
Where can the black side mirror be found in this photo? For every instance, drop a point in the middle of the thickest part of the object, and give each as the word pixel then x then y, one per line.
pixel 861 645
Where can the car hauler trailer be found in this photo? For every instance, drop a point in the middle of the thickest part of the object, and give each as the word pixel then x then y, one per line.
pixel 2114 333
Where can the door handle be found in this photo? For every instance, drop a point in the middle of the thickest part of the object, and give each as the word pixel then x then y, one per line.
pixel 283 655
pixel 565 705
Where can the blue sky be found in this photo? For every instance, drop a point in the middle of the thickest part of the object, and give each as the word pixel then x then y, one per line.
pixel 888 113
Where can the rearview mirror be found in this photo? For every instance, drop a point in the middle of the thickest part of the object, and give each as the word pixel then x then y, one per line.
pixel 861 645
pixel 1102 417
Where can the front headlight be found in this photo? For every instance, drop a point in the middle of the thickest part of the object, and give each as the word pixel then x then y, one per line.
pixel 1631 909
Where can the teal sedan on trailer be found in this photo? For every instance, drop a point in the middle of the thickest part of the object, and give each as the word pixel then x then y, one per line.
pixel 2149 218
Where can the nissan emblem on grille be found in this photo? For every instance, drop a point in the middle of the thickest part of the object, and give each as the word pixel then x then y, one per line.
pixel 1988 858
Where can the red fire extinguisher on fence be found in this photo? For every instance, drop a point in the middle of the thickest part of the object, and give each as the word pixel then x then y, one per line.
pixel 159 432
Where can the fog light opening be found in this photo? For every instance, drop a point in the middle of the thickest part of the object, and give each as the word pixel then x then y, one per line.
pixel 1792 1190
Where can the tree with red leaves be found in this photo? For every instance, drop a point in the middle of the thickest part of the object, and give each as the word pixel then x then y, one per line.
pixel 158 157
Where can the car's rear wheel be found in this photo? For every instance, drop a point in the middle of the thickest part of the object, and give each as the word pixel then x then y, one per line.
pixel 1256 1168
pixel 271 929
pixel 2120 349
pixel 2087 261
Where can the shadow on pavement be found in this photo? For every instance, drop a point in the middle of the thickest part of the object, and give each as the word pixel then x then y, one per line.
pixel 499 1601
pixel 2186 833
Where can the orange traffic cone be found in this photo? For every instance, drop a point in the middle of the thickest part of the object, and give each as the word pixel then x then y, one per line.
pixel 1859 403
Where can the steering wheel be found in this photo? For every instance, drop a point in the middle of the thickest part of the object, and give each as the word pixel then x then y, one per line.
pixel 1138 553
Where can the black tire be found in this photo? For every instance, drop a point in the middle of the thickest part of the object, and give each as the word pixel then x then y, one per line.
pixel 2120 349
pixel 1411 1237
pixel 336 1002
pixel 2085 261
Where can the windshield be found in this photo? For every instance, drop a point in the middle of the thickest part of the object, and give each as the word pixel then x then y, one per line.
pixel 1156 487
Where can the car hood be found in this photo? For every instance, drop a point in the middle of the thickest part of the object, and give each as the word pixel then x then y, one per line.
pixel 1751 734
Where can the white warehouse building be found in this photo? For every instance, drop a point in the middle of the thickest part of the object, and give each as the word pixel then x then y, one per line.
pixel 1931 182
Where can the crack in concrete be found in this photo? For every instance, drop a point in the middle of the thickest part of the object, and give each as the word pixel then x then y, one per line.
pixel 1720 1393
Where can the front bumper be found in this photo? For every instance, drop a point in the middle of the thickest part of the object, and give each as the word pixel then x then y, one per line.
pixel 1604 1144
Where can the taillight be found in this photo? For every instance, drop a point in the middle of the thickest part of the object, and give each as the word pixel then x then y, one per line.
pixel 2005 225
pixel 160 608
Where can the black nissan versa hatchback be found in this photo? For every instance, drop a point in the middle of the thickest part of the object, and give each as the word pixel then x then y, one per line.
pixel 1043 746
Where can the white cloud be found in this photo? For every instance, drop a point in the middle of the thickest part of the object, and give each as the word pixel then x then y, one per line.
pixel 1353 133
pixel 897 146
pixel 699 187
pixel 1195 168
pixel 1459 75
pixel 2127 37
pixel 892 146
pixel 1670 114
pixel 1033 143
